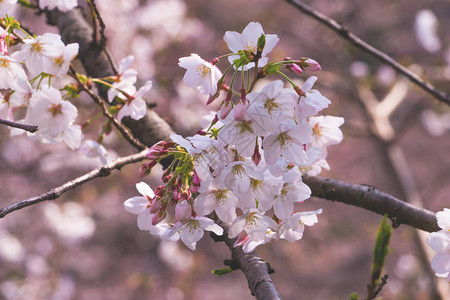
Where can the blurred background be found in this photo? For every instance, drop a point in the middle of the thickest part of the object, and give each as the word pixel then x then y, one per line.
pixel 86 246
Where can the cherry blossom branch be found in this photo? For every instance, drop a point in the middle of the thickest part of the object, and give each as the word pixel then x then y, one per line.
pixel 72 184
pixel 74 29
pixel 373 199
pixel 125 132
pixel 29 128
pixel 379 287
pixel 352 38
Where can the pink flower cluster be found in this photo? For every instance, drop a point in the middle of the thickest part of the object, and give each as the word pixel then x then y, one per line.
pixel 244 170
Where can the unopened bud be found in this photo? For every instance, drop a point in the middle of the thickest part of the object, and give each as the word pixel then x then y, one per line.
pixel 239 111
pixel 294 68
pixel 299 91
pixel 226 109
pixel 145 169
pixel 310 65
pixel 256 157
pixel 156 204
pixel 183 211
pixel 158 217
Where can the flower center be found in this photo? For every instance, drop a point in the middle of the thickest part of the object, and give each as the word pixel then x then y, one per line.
pixel 244 126
pixel 285 140
pixel 271 106
pixel 202 70
pixel 55 109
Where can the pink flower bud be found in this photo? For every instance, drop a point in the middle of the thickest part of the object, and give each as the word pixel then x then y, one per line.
pixel 226 109
pixel 156 204
pixel 185 195
pixel 183 211
pixel 195 179
pixel 159 191
pixel 311 65
pixel 158 217
pixel 167 178
pixel 201 132
pixel 176 194
pixel 3 45
pixel 256 157
pixel 145 169
pixel 194 188
pixel 294 68
pixel 212 98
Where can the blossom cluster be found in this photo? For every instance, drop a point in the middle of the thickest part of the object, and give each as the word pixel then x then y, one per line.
pixel 245 169
pixel 440 242
pixel 33 72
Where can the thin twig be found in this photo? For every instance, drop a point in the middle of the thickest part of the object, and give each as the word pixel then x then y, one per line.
pixel 373 199
pixel 352 38
pixel 125 132
pixel 70 185
pixel 379 287
pixel 29 128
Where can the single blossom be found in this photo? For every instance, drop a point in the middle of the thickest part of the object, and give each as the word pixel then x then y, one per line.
pixel 248 40
pixel 135 107
pixel 6 6
pixel 293 227
pixel 287 140
pixel 311 102
pixel 440 242
pixel 326 130
pixel 200 74
pixel 254 224
pixel 10 71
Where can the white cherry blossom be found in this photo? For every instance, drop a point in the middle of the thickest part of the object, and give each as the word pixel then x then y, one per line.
pixel 312 102
pixel 214 196
pixel 440 242
pixel 135 107
pixel 287 140
pixel 326 130
pixel 6 6
pixel 271 106
pixel 200 74
pixel 192 231
pixel 248 40
pixel 293 227
pixel 10 70
pixel 254 224
pixel 62 5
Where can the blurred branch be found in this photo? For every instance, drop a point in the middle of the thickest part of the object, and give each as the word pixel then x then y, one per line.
pixel 352 38
pixel 372 199
pixel 29 128
pixel 125 132
pixel 70 185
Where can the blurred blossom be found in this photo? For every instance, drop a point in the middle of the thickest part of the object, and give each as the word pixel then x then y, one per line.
pixel 407 266
pixel 385 75
pixel 175 293
pixel 359 69
pixel 65 289
pixel 69 220
pixel 91 148
pixel 426 25
pixel 166 15
pixel 11 248
pixel 434 123
pixel 36 265
pixel 176 258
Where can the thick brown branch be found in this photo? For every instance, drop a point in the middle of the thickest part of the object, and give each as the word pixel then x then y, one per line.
pixel 29 128
pixel 352 38
pixel 372 199
pixel 70 185
pixel 255 270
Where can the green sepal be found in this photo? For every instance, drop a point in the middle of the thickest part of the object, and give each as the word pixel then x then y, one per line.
pixel 354 296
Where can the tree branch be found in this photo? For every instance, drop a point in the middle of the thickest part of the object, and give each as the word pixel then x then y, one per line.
pixel 29 128
pixel 125 133
pixel 372 199
pixel 70 185
pixel 352 38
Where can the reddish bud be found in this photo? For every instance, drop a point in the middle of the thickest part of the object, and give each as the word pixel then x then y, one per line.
pixel 145 169
pixel 256 157
pixel 226 109
pixel 299 91
pixel 201 132
pixel 294 68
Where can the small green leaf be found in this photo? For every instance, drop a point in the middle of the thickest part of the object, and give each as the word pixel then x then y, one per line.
pixel 220 272
pixel 354 296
